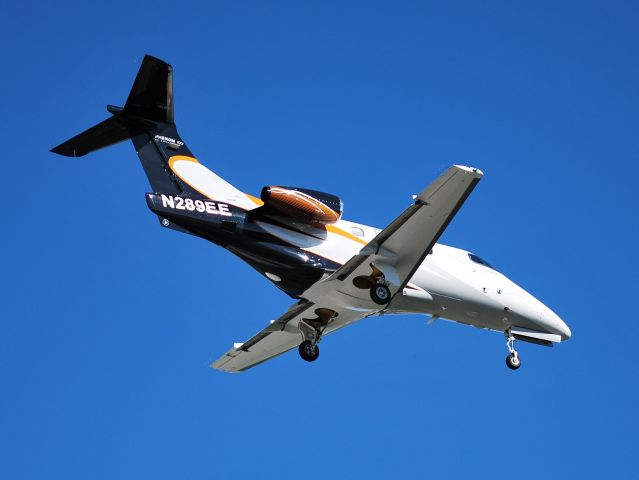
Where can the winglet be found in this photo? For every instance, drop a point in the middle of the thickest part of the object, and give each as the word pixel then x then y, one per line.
pixel 459 171
pixel 470 169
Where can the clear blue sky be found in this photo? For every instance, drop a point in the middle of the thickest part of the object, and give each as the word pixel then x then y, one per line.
pixel 108 322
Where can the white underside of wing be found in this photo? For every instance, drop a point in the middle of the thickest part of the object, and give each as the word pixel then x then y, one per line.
pixel 281 336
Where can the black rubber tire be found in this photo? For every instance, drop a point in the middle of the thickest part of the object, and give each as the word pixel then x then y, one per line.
pixel 513 363
pixel 380 294
pixel 308 351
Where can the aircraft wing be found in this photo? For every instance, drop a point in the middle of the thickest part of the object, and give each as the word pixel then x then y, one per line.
pixel 280 336
pixel 395 254
pixel 399 249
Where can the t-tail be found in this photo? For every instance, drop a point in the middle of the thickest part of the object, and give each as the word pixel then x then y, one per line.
pixel 147 119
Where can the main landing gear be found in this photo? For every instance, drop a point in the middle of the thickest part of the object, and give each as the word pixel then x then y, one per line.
pixel 311 331
pixel 512 360
pixel 376 284
pixel 309 351
pixel 380 294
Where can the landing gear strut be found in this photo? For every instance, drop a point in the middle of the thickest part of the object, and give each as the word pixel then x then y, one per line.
pixel 311 331
pixel 512 360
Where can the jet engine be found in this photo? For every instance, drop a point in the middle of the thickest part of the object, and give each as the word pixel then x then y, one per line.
pixel 309 206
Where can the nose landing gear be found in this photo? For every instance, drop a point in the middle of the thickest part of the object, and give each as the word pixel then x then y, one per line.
pixel 512 360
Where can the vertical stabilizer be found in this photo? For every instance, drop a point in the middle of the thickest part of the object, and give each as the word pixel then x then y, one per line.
pixel 147 118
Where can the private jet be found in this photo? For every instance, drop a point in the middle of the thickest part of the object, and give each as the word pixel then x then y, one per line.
pixel 338 271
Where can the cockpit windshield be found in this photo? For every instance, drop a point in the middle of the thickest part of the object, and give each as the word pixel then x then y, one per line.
pixel 480 260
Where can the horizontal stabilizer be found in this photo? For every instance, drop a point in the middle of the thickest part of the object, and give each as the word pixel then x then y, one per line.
pixel 102 135
pixel 150 103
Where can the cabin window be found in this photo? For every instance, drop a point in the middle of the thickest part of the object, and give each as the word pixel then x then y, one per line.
pixel 479 260
pixel 358 232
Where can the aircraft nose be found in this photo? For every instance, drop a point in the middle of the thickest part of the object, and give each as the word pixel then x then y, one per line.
pixel 534 313
pixel 565 330
pixel 557 323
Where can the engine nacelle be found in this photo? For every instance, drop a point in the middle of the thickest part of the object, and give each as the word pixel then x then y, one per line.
pixel 309 206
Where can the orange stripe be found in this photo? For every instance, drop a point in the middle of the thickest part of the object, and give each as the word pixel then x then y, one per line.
pixel 255 200
pixel 176 158
pixel 345 234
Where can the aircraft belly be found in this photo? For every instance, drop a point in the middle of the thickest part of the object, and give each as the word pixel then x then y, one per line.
pixel 289 268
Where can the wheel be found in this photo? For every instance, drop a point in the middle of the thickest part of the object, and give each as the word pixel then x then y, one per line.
pixel 308 351
pixel 513 362
pixel 380 294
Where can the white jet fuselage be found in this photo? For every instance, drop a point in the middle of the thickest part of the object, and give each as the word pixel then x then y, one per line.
pixel 449 284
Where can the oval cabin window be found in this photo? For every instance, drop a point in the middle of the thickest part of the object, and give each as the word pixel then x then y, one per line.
pixel 358 232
